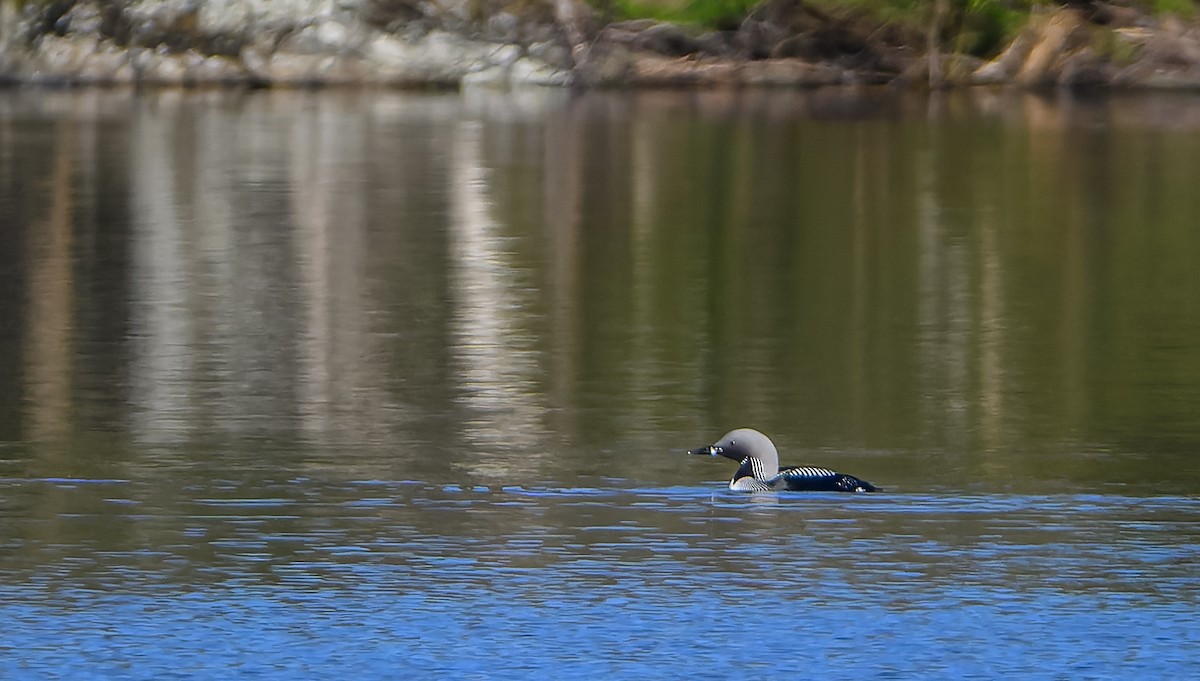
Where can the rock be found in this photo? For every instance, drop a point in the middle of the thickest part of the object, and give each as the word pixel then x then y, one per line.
pixel 219 69
pixel 325 36
pixel 222 16
pixel 108 65
pixel 1172 46
pixel 579 25
pixel 793 73
pixel 522 72
pixel 1167 58
pixel 756 39
pixel 494 77
pixel 312 69
pixel 959 69
pixel 796 47
pixel 504 55
pixel 632 27
pixel 666 39
pixel 163 69
pixel 438 59
pixel 1085 69
pixel 660 71
pixel 553 54
pixel 604 64
pixel 895 59
pixel 84 18
pixel 389 51
pixel 171 23
pixel 1106 14
pixel 534 72
pixel 502 27
pixel 390 15
pixel 509 43
pixel 58 58
pixel 718 43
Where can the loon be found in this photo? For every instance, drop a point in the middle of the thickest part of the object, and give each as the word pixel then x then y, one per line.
pixel 760 472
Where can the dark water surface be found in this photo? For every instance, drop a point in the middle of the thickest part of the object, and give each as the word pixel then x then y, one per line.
pixel 397 385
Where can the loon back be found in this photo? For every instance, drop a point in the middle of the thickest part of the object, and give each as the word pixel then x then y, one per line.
pixel 758 469
pixel 812 479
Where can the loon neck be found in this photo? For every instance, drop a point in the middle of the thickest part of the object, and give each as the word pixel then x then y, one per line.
pixel 754 467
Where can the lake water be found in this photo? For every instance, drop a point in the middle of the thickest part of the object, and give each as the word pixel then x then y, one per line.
pixel 398 385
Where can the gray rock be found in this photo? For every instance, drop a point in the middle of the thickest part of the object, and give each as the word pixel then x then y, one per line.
pixel 503 27
pixel 222 16
pixel 58 58
pixel 84 17
pixel 391 15
pixel 504 55
pixel 631 26
pixel 796 47
pixel 604 64
pixel 493 76
pixel 756 39
pixel 791 72
pixel 520 72
pixel 326 36
pixel 164 69
pixel 533 72
pixel 438 58
pixel 718 43
pixel 553 54
pixel 1085 69
pixel 666 39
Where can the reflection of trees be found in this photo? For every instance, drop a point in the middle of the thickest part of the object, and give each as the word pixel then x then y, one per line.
pixel 49 328
pixel 493 278
pixel 497 365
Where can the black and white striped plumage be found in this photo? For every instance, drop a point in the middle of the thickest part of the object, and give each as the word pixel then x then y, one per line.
pixel 759 471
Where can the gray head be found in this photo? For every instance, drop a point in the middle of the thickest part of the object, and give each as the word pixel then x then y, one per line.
pixel 743 444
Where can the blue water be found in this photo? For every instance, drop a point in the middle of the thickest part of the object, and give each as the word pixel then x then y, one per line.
pixel 628 582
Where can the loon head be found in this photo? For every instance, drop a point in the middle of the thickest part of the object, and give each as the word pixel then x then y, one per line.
pixel 747 446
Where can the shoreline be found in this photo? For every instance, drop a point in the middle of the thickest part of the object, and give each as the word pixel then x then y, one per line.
pixel 556 43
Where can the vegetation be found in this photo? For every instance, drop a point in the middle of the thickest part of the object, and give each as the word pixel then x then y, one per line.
pixel 971 26
pixel 716 14
pixel 976 27
pixel 1182 8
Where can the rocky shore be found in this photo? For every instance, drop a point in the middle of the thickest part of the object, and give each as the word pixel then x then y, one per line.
pixel 510 43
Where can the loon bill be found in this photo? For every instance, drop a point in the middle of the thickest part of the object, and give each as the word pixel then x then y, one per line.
pixel 759 469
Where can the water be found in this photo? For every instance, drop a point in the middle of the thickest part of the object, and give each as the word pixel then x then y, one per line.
pixel 398 384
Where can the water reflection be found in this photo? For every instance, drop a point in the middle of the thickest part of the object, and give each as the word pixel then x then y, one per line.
pixel 498 364
pixel 50 300
pixel 541 285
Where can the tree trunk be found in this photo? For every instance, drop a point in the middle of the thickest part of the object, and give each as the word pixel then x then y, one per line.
pixel 934 48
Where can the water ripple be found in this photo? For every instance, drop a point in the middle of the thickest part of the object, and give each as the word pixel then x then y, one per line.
pixel 651 571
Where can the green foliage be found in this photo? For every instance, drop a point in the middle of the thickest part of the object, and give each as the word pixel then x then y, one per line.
pixel 1108 43
pixel 977 27
pixel 720 14
pixel 987 26
pixel 1182 8
pixel 974 26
